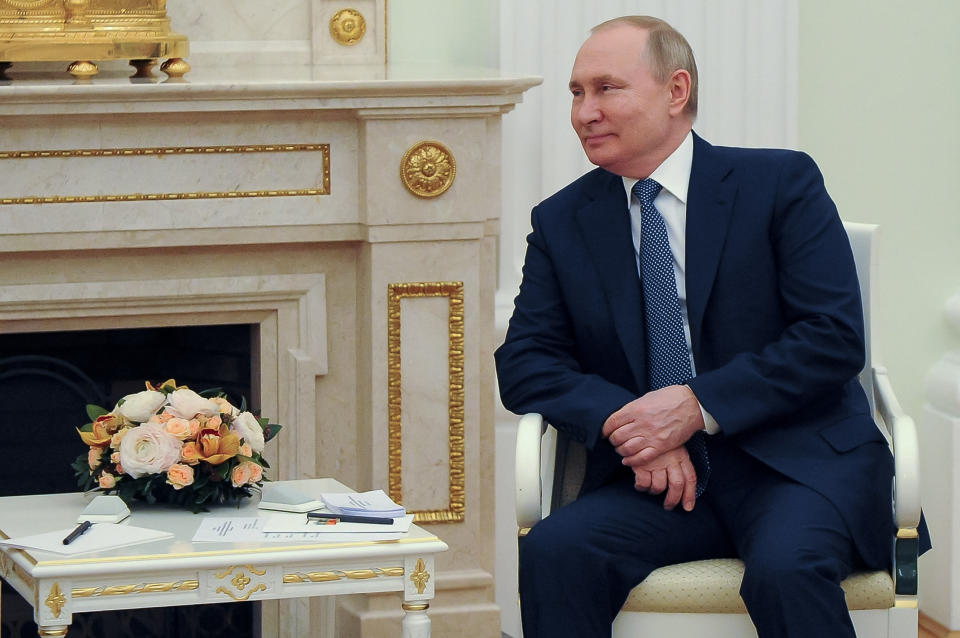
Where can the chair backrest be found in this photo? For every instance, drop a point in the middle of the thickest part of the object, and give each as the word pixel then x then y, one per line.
pixel 569 459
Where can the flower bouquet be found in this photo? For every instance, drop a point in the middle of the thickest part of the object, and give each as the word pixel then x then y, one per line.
pixel 172 445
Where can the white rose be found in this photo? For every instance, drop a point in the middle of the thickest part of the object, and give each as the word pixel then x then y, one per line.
pixel 187 404
pixel 148 449
pixel 249 429
pixel 141 406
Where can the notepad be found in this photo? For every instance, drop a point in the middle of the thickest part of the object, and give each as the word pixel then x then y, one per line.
pixel 373 503
pixel 101 536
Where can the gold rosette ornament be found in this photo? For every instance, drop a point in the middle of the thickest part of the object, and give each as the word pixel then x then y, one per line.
pixel 428 169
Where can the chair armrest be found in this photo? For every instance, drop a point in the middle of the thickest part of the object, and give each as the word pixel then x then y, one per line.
pixel 527 470
pixel 906 452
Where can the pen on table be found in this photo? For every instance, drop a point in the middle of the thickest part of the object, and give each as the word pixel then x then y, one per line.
pixel 350 518
pixel 77 533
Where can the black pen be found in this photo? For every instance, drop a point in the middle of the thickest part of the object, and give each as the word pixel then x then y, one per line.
pixel 77 533
pixel 350 518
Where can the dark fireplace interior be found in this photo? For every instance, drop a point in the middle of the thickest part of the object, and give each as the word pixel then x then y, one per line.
pixel 46 381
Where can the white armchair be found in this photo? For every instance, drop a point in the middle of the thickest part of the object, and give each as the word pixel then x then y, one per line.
pixel 703 596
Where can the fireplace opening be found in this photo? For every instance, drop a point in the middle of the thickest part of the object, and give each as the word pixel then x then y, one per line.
pixel 46 381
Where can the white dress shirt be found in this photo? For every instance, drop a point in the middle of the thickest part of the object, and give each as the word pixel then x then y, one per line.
pixel 674 176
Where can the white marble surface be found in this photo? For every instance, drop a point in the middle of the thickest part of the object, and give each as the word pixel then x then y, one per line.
pixel 257 87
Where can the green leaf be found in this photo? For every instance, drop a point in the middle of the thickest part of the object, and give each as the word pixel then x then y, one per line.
pixel 271 430
pixel 95 411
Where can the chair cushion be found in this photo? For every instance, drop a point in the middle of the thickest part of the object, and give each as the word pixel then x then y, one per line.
pixel 713 586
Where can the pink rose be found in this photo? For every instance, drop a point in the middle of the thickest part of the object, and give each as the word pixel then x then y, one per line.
pixel 180 476
pixel 148 449
pixel 93 457
pixel 256 473
pixel 182 428
pixel 240 475
pixel 190 453
pixel 107 481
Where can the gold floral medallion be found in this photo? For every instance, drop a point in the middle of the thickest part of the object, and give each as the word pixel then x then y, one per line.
pixel 348 27
pixel 428 169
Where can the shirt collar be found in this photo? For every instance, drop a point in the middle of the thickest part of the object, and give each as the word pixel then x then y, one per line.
pixel 673 174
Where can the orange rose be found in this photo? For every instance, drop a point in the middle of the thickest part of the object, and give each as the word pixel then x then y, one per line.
pixel 256 472
pixel 246 450
pixel 180 476
pixel 107 481
pixel 190 453
pixel 240 475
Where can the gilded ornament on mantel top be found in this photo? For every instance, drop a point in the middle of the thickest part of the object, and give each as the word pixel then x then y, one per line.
pixel 428 169
pixel 86 31
pixel 348 27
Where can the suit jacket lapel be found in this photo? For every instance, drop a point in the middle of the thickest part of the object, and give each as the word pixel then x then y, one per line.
pixel 710 199
pixel 605 223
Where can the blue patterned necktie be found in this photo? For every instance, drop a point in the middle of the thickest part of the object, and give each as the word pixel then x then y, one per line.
pixel 668 358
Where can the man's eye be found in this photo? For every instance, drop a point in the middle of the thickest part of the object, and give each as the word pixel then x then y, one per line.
pixel 607 87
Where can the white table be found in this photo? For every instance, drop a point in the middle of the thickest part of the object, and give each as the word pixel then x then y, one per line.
pixel 177 571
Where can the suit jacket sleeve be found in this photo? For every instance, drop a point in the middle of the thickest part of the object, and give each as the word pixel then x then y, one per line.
pixel 540 366
pixel 782 334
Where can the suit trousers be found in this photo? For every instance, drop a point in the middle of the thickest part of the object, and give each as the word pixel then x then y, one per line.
pixel 578 565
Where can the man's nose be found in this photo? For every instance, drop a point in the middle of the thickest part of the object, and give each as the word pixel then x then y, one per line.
pixel 587 110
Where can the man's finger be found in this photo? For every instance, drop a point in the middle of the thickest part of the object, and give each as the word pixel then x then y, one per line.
pixel 659 481
pixel 642 480
pixel 675 487
pixel 689 485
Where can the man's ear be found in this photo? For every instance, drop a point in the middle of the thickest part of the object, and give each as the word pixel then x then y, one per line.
pixel 679 86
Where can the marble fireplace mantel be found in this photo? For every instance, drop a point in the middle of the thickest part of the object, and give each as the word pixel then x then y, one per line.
pixel 273 196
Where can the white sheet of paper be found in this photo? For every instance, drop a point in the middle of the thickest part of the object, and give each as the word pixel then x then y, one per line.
pixel 226 529
pixel 99 537
pixel 373 503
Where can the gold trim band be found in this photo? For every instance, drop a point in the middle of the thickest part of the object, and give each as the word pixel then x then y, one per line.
pixel 455 512
pixel 908 532
pixel 333 575
pixel 324 149
pixel 123 590
pixel 415 606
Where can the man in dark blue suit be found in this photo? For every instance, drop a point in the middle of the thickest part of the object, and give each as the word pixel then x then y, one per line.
pixel 760 444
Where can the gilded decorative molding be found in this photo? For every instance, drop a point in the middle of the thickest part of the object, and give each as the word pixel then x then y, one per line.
pixel 240 581
pixel 230 570
pixel 123 590
pixel 324 149
pixel 348 27
pixel 420 576
pixel 56 600
pixel 334 575
pixel 240 599
pixel 428 169
pixel 455 325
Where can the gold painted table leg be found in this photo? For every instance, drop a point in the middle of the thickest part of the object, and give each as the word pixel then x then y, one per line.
pixel 175 67
pixel 53 632
pixel 144 68
pixel 83 69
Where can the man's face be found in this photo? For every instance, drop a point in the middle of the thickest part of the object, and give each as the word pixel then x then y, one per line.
pixel 621 113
